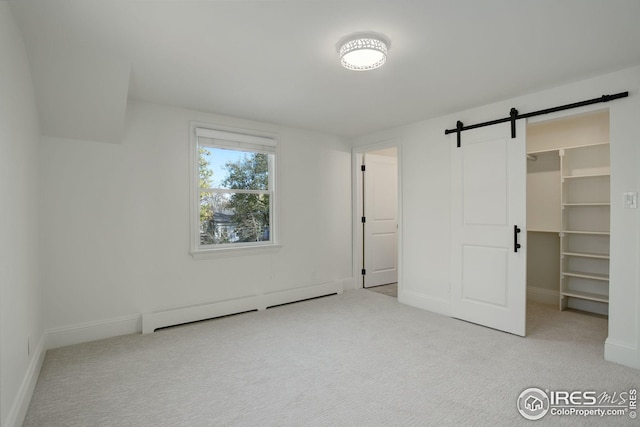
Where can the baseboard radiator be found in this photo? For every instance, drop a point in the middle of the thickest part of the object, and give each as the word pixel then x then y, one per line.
pixel 178 316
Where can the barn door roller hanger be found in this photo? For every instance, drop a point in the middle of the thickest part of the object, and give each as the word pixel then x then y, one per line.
pixel 514 115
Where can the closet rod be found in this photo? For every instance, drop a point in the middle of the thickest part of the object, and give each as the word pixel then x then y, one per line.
pixel 514 115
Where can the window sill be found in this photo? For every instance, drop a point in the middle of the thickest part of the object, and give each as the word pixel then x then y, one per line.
pixel 233 252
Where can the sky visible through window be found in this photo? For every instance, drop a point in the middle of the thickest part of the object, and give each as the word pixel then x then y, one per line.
pixel 217 160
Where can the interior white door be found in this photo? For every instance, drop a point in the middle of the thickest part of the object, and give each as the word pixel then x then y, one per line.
pixel 381 220
pixel 488 186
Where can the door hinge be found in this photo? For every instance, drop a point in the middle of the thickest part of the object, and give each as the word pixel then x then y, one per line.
pixel 363 219
pixel 364 272
pixel 362 168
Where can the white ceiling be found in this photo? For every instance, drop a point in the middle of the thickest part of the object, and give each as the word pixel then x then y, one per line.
pixel 276 61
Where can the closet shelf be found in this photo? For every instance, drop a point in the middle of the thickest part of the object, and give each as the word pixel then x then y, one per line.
pixel 595 233
pixel 586 255
pixel 540 230
pixel 547 151
pixel 591 175
pixel 586 295
pixel 588 204
pixel 584 275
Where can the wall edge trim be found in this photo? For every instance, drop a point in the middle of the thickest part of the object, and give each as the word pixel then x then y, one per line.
pixel 18 410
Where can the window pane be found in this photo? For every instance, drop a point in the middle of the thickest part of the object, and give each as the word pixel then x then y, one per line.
pixel 234 218
pixel 212 218
pixel 233 169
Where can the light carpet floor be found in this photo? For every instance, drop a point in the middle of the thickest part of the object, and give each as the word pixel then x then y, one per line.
pixel 390 290
pixel 356 359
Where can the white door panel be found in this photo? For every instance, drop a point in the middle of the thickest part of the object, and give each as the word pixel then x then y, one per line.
pixel 481 278
pixel 485 168
pixel 384 253
pixel 488 186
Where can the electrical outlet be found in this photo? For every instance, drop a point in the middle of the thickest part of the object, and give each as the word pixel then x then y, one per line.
pixel 631 200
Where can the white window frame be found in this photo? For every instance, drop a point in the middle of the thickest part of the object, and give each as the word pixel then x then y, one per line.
pixel 240 139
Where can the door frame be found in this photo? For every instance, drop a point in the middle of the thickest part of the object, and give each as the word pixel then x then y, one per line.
pixel 356 199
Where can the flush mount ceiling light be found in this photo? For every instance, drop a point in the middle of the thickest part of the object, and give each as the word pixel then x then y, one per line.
pixel 363 51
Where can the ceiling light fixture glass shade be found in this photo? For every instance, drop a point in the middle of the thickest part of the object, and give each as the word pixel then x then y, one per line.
pixel 362 52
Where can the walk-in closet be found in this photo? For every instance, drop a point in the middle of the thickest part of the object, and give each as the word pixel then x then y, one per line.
pixel 568 205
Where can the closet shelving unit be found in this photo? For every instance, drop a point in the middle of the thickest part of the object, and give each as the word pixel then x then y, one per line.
pixel 568 211
pixel 585 218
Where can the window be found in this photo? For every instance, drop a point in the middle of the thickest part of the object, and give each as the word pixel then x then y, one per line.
pixel 234 191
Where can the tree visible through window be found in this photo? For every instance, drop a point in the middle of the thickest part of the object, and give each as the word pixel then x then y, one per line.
pixel 234 189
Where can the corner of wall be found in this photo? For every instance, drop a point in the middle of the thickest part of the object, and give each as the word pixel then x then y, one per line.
pixel 621 353
pixel 18 410
pixel 93 331
pixel 21 312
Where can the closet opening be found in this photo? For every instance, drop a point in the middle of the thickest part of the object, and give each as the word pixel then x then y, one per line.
pixel 376 217
pixel 568 213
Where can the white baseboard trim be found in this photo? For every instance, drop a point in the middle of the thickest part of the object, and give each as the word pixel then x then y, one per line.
pixel 298 294
pixel 21 403
pixel 542 295
pixel 179 315
pixel 621 353
pixel 349 284
pixel 425 302
pixel 92 331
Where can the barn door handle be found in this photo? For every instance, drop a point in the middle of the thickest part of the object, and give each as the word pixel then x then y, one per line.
pixel 516 245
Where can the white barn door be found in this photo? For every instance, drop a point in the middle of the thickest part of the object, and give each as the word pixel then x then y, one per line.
pixel 381 220
pixel 488 186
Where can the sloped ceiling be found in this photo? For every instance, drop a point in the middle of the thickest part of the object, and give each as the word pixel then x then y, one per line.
pixel 276 61
pixel 81 94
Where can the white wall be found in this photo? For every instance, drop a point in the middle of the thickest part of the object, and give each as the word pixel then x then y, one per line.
pixel 426 180
pixel 115 224
pixel 20 299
